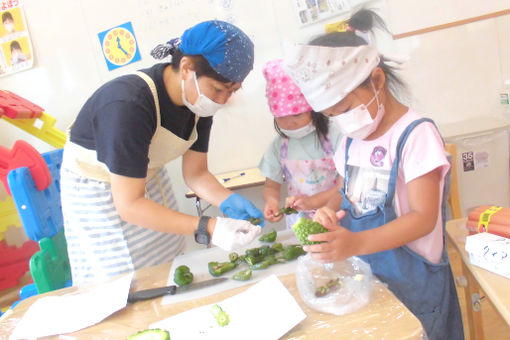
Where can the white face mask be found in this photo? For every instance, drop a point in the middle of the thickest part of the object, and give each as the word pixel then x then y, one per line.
pixel 204 106
pixel 357 123
pixel 9 27
pixel 301 132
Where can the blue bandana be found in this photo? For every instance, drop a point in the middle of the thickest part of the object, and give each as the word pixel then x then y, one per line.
pixel 228 50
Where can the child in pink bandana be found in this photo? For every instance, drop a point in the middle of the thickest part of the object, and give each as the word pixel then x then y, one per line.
pixel 302 153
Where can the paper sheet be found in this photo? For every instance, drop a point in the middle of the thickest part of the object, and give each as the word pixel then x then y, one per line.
pixel 197 262
pixel 74 311
pixel 264 311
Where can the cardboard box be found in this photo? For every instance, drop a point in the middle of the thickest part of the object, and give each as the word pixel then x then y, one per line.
pixel 489 251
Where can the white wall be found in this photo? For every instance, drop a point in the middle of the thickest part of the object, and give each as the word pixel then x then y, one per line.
pixel 452 74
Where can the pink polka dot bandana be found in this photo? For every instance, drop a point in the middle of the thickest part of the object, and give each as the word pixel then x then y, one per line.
pixel 283 95
pixel 327 74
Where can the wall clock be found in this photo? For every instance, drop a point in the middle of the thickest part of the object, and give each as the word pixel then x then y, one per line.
pixel 119 46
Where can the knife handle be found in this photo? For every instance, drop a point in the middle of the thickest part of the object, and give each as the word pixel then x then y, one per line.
pixel 147 294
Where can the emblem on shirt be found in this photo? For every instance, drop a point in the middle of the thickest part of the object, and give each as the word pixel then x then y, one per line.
pixel 376 159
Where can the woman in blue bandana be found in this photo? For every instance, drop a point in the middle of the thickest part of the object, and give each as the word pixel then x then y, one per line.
pixel 120 213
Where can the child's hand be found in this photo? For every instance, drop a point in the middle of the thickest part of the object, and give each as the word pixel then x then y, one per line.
pixel 300 202
pixel 337 245
pixel 328 217
pixel 271 210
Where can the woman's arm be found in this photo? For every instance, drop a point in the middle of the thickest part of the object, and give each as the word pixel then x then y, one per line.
pixel 132 206
pixel 198 178
pixel 423 195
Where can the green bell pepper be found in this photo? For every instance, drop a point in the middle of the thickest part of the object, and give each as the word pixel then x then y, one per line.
pixel 269 237
pixel 243 275
pixel 293 251
pixel 183 276
pixel 219 268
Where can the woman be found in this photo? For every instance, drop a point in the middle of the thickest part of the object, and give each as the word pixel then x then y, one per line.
pixel 120 213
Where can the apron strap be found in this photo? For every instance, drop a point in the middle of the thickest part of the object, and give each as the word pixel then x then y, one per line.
pixel 152 87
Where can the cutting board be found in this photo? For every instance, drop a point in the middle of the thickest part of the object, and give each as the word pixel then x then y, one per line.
pixel 197 262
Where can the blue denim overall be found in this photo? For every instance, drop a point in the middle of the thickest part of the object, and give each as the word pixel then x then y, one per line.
pixel 426 288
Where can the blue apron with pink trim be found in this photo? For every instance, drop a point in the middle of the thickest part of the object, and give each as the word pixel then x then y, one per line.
pixel 426 288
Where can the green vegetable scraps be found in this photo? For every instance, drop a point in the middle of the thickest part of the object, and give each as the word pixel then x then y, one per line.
pixel 304 227
pixel 286 211
pixel 243 275
pixel 255 221
pixel 269 237
pixel 328 287
pixel 221 316
pixel 151 334
pixel 183 276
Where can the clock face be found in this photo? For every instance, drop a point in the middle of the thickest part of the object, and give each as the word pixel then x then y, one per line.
pixel 119 46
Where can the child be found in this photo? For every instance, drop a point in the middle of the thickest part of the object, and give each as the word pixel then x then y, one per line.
pixel 8 22
pixel 393 165
pixel 301 154
pixel 17 55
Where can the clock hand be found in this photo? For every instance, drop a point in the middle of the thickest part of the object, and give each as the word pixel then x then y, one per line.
pixel 120 47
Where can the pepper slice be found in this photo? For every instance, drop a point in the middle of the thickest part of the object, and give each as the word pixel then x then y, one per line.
pixel 220 315
pixel 293 251
pixel 255 221
pixel 269 237
pixel 286 211
pixel 183 276
pixel 243 275
pixel 219 268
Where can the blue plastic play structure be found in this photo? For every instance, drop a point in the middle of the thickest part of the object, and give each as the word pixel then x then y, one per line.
pixel 40 212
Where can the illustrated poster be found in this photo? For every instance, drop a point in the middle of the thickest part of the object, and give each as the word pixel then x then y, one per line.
pixel 16 53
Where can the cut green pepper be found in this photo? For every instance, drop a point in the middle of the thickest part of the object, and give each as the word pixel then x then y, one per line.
pixel 261 265
pixel 286 211
pixel 233 257
pixel 293 251
pixel 243 275
pixel 255 221
pixel 219 268
pixel 183 276
pixel 277 247
pixel 269 237
pixel 151 334
pixel 328 287
pixel 220 315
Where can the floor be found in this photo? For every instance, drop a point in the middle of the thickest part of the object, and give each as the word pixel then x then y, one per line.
pixel 494 326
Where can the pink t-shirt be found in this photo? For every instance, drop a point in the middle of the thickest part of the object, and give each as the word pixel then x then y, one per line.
pixel 369 168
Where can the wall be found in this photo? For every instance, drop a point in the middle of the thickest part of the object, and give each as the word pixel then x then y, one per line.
pixel 452 74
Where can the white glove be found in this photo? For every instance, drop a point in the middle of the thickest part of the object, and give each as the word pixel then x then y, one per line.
pixel 230 233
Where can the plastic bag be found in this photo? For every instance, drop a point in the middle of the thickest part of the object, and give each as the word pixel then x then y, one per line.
pixel 336 288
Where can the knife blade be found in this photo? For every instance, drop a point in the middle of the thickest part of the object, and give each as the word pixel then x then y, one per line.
pixel 147 294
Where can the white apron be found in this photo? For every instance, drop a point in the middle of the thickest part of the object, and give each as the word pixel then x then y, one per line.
pixel 100 244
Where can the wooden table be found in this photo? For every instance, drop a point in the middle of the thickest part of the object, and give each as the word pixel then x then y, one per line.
pixel 480 282
pixel 240 179
pixel 385 317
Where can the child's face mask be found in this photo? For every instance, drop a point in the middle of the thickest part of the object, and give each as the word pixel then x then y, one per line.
pixel 301 132
pixel 357 123
pixel 204 106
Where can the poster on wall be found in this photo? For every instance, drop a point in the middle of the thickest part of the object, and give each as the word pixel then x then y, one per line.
pixel 119 46
pixel 15 45
pixel 312 11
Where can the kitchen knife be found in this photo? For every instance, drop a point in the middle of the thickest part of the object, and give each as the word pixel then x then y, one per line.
pixel 147 294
